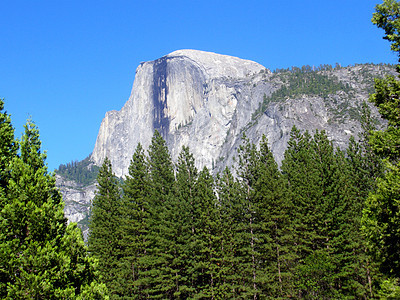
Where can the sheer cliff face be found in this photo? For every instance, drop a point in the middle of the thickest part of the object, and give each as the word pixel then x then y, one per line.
pixel 189 96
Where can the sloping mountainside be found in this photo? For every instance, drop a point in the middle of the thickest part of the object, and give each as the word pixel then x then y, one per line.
pixel 208 101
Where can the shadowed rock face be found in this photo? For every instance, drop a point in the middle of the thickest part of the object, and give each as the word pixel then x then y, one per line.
pixel 161 120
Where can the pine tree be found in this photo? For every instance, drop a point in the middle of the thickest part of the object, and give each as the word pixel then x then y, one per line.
pixel 381 213
pixel 134 225
pixel 301 173
pixel 182 214
pixel 159 276
pixel 274 206
pixel 365 163
pixel 326 219
pixel 250 237
pixel 206 257
pixel 365 167
pixel 228 191
pixel 103 227
pixel 40 257
pixel 161 169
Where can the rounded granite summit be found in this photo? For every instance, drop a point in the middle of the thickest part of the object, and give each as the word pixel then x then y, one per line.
pixel 216 65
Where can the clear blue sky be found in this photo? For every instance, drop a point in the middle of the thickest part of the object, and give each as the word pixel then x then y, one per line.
pixel 65 63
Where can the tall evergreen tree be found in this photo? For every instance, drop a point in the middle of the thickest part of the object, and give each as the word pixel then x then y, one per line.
pixel 40 256
pixel 161 169
pixel 103 226
pixel 301 175
pixel 353 269
pixel 327 227
pixel 159 276
pixel 182 214
pixel 250 236
pixel 206 256
pixel 365 167
pixel 228 191
pixel 381 213
pixel 274 206
pixel 134 225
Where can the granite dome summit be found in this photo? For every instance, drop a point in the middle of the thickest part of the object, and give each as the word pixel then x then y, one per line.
pixel 184 87
pixel 216 65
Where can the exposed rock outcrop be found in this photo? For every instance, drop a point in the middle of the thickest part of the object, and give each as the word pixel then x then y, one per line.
pixel 78 200
pixel 189 96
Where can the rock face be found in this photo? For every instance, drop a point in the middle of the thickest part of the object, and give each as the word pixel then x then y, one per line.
pixel 189 96
pixel 208 101
pixel 78 200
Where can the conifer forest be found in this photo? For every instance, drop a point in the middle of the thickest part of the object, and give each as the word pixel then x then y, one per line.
pixel 324 224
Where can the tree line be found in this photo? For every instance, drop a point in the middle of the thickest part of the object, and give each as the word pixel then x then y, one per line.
pixel 83 172
pixel 295 231
pixel 297 82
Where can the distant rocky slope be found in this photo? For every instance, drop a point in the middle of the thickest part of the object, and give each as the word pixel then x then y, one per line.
pixel 208 101
pixel 78 200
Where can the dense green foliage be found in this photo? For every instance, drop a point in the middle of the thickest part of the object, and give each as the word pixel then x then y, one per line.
pixel 381 216
pixel 83 172
pixel 8 145
pixel 307 82
pixel 269 233
pixel 40 256
pixel 387 18
pixel 104 224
